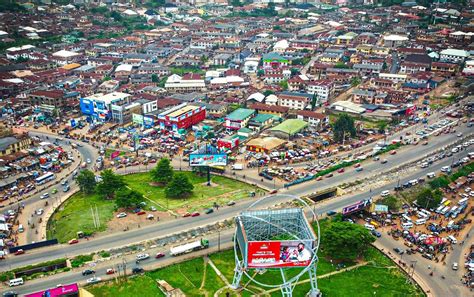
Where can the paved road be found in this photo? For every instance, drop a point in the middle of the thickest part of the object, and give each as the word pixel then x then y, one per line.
pixel 395 63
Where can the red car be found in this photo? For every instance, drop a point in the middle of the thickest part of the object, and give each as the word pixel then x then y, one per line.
pixel 159 255
pixel 273 192
pixel 393 152
pixel 319 178
pixel 341 170
pixel 186 215
pixel 357 165
pixel 19 252
pixel 329 175
pixel 141 213
pixel 195 214
pixel 73 241
pixel 110 271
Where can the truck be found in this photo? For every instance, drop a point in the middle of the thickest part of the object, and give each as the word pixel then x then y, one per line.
pixel 237 167
pixel 189 247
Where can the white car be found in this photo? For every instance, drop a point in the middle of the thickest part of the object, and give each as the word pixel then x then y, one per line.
pixel 455 266
pixel 150 217
pixel 142 257
pixel 385 193
pixel 39 211
pixel 88 161
pixel 121 215
pixel 44 196
pixel 93 280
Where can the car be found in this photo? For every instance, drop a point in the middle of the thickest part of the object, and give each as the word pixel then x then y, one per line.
pixel 393 152
pixel 152 208
pixel 329 175
pixel 88 272
pixel 341 170
pixel 459 134
pixel 357 165
pixel 384 161
pixel 39 211
pixel 93 280
pixel 44 195
pixel 376 233
pixel 141 257
pixel 110 271
pixel 455 266
pixel 121 215
pixel 141 213
pixel 385 193
pixel 230 203
pixel 273 192
pixel 331 213
pixel 73 241
pixel 209 211
pixel 64 182
pixel 424 143
pixel 10 294
pixel 195 214
pixel 376 158
pixel 150 217
pixel 359 169
pixel 399 251
pixel 428 256
pixel 19 252
pixel 319 178
pixel 54 191
pixel 137 270
pixel 159 255
pixel 88 161
pixel 186 214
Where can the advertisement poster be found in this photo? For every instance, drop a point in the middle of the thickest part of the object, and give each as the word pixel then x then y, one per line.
pixel 276 254
pixel 196 160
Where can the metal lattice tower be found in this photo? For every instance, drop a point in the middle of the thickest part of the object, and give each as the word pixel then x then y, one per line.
pixel 288 224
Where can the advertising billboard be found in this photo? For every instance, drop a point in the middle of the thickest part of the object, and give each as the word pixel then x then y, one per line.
pixel 356 206
pixel 64 290
pixel 196 160
pixel 277 254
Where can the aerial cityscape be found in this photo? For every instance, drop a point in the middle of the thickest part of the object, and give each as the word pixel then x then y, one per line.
pixel 236 148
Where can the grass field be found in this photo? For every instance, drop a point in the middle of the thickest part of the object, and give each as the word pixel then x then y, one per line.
pixel 379 277
pixel 75 214
pixel 222 190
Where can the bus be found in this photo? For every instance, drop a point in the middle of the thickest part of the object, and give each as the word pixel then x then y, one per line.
pixel 48 176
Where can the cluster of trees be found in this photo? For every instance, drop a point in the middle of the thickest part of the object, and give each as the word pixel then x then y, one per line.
pixel 428 198
pixel 177 185
pixel 110 186
pixel 344 128
pixel 344 240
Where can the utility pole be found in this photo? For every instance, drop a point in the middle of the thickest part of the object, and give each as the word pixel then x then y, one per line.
pixel 219 240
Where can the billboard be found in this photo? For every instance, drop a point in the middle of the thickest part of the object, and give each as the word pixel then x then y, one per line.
pixel 196 160
pixel 356 206
pixel 64 290
pixel 277 254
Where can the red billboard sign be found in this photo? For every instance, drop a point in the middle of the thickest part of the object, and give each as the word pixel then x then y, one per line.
pixel 276 254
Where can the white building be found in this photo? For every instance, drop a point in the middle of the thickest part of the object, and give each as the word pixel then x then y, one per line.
pixel 64 57
pixel 188 83
pixel 453 55
pixel 323 89
pixel 469 68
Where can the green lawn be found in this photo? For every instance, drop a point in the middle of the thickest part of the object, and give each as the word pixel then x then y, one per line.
pixel 75 215
pixel 222 190
pixel 188 276
pixel 380 277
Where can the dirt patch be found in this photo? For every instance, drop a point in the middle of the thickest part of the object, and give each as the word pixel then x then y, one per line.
pixel 133 221
pixel 155 184
pixel 212 184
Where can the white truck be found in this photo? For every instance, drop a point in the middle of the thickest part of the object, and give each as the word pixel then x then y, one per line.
pixel 189 247
pixel 237 166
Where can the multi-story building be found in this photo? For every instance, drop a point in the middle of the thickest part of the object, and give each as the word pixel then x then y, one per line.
pixel 182 116
pixel 188 83
pixel 239 118
pixel 453 55
pixel 322 88
pixel 98 107
pixel 294 100
pixel 54 98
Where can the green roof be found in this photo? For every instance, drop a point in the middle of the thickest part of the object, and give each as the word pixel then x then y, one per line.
pixel 262 117
pixel 291 126
pixel 274 57
pixel 240 114
pixel 245 130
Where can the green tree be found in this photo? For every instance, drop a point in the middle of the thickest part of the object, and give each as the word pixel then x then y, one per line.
pixel 346 241
pixel 392 202
pixel 284 85
pixel 314 100
pixel 267 92
pixel 154 78
pixel 428 198
pixel 355 81
pixel 439 182
pixel 110 184
pixel 382 126
pixel 86 181
pixel 341 65
pixel 126 198
pixel 260 72
pixel 343 127
pixel 179 187
pixel 163 172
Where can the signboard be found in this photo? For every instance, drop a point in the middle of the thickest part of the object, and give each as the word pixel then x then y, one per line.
pixel 64 290
pixel 137 119
pixel 277 254
pixel 356 206
pixel 379 208
pixel 196 160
